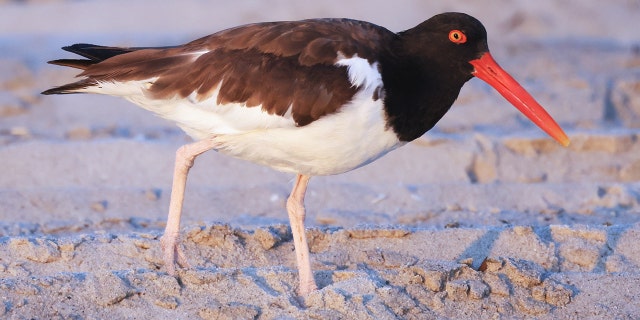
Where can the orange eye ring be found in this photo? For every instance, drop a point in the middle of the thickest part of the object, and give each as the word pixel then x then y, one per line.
pixel 457 36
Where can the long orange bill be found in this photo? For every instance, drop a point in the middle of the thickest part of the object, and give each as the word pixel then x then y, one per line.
pixel 489 71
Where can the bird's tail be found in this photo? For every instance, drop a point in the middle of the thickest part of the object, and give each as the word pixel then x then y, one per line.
pixel 94 54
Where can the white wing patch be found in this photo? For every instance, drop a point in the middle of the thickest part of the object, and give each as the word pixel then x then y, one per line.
pixel 361 72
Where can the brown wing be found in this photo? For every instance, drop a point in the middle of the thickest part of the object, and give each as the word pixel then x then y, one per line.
pixel 278 65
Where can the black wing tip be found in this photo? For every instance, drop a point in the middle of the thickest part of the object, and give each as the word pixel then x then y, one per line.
pixel 57 90
pixel 97 53
pixel 51 91
pixel 57 62
pixel 73 63
pixel 75 87
pixel 79 46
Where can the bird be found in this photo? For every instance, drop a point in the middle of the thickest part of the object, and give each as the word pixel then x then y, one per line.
pixel 311 97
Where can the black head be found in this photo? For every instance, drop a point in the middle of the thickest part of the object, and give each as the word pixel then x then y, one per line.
pixel 448 41
pixel 430 64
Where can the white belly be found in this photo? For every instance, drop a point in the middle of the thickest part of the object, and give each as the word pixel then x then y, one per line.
pixel 333 144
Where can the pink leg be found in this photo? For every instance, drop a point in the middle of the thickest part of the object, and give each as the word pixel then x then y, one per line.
pixel 295 208
pixel 185 157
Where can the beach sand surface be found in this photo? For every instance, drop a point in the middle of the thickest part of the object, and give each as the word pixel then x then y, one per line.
pixel 484 217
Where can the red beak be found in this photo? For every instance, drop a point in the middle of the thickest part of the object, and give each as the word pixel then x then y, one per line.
pixel 489 71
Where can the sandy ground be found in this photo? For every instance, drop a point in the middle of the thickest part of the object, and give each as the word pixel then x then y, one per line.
pixel 482 218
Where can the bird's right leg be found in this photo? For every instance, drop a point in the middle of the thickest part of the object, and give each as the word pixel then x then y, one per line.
pixel 185 156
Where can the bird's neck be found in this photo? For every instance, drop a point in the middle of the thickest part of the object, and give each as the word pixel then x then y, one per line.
pixel 418 92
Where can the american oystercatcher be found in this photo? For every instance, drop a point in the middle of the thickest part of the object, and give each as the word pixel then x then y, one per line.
pixel 310 97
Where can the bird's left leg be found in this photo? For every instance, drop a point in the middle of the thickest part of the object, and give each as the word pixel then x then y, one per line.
pixel 295 208
pixel 185 156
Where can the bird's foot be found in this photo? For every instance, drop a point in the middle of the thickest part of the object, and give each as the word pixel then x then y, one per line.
pixel 172 253
pixel 307 287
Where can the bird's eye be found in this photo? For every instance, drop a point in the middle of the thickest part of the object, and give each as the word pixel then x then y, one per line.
pixel 457 36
